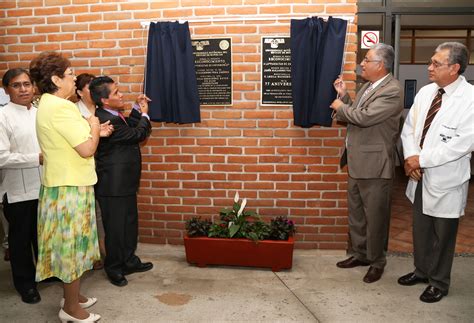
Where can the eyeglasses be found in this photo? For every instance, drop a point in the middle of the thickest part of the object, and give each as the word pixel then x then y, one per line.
pixel 366 60
pixel 18 85
pixel 437 64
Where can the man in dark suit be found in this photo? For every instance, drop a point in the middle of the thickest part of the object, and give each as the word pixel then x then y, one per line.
pixel 118 163
pixel 373 123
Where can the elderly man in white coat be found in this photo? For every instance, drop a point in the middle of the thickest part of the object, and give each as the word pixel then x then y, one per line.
pixel 438 138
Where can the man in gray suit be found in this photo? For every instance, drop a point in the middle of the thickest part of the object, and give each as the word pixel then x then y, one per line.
pixel 373 123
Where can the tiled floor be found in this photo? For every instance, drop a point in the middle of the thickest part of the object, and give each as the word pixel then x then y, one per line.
pixel 401 222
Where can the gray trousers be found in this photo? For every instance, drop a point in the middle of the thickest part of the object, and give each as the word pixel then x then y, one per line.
pixel 369 203
pixel 434 242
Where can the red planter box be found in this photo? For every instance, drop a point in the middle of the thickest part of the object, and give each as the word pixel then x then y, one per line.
pixel 274 254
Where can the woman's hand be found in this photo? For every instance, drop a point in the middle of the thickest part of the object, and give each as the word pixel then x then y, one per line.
pixel 93 121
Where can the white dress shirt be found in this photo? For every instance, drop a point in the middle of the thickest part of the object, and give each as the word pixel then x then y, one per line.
pixel 19 153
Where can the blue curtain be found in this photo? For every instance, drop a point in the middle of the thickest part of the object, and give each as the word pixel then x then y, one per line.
pixel 170 75
pixel 317 48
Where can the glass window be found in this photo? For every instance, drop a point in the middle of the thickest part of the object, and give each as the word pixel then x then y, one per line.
pixel 405 51
pixel 424 48
pixel 441 33
pixel 406 33
pixel 471 60
pixel 432 3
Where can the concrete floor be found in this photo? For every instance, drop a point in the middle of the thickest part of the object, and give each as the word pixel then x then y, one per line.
pixel 315 290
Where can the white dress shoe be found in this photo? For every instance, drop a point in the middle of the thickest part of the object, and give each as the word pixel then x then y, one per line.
pixel 90 301
pixel 65 317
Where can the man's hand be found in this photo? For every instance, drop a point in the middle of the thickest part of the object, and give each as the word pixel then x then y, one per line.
pixel 340 86
pixel 336 104
pixel 415 175
pixel 142 101
pixel 106 129
pixel 41 158
pixel 412 163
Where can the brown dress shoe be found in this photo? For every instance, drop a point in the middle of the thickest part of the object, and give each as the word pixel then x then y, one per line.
pixel 351 262
pixel 373 275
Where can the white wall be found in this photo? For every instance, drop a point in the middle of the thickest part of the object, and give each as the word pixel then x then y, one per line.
pixel 420 73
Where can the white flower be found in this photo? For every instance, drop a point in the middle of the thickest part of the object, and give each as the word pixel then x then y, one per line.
pixel 236 197
pixel 230 224
pixel 242 207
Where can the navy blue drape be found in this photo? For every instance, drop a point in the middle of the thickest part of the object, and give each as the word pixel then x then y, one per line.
pixel 170 75
pixel 317 48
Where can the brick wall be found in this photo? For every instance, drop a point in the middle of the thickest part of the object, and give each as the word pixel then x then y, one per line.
pixel 195 169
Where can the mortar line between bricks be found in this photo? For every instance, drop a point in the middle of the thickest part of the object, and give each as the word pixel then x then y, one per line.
pixel 296 296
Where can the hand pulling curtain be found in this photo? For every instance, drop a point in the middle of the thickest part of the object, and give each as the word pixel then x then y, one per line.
pixel 317 49
pixel 170 75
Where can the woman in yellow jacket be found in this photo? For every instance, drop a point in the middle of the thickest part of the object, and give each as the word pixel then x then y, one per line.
pixel 67 233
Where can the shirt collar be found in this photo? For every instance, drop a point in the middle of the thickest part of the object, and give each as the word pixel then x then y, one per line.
pixel 451 88
pixel 376 83
pixel 114 112
pixel 19 106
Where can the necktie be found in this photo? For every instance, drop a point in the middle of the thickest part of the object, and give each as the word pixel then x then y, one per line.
pixel 367 91
pixel 122 117
pixel 434 108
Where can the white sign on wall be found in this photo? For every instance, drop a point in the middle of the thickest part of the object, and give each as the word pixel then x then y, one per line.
pixel 368 38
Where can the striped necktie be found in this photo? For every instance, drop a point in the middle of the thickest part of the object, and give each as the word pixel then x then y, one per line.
pixel 434 108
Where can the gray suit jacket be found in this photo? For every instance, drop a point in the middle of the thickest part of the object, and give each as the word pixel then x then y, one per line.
pixel 373 129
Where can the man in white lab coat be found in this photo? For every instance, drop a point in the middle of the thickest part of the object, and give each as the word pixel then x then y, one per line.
pixel 438 138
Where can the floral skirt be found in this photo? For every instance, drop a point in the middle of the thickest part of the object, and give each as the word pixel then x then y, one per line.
pixel 67 232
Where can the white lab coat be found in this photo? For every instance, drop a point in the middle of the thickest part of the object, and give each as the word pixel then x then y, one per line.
pixel 446 153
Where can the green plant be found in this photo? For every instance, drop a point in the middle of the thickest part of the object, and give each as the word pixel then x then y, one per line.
pixel 197 227
pixel 218 230
pixel 281 228
pixel 236 222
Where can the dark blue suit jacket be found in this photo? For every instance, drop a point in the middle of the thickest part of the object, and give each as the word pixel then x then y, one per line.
pixel 118 157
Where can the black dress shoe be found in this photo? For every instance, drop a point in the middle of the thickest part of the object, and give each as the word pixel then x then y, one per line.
pixel 118 279
pixel 411 279
pixel 351 262
pixel 31 296
pixel 373 275
pixel 432 295
pixel 141 267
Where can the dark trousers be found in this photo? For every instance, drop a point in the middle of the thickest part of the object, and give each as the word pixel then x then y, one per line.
pixel 120 217
pixel 22 241
pixel 369 203
pixel 434 241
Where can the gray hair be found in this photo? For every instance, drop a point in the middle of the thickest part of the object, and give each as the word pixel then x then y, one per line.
pixel 386 54
pixel 458 54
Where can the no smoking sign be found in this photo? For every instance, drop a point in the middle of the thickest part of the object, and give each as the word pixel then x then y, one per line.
pixel 369 38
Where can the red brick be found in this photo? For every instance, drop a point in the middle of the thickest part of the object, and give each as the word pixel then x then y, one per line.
pixel 47 11
pixel 258 133
pixel 103 8
pixel 103 26
pixel 31 21
pixel 19 13
pixel 60 37
pixel 20 31
pixel 227 168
